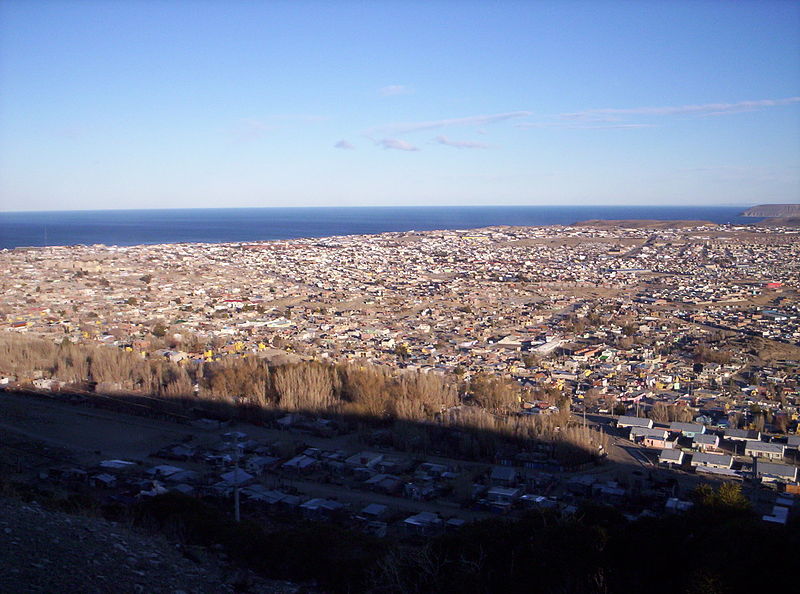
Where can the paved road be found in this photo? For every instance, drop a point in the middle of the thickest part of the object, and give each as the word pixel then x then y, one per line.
pixel 621 451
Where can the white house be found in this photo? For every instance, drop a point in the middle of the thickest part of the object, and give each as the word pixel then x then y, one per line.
pixel 742 435
pixel 760 449
pixel 687 429
pixel 628 421
pixel 706 442
pixel 702 459
pixel 671 457
pixel 770 472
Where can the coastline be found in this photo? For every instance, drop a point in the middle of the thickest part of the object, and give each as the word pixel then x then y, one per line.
pixel 217 226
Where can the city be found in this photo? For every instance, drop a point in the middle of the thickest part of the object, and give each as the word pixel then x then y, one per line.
pixel 596 326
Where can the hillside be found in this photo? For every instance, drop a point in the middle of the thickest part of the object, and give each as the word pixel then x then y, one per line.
pixel 773 210
pixel 780 222
pixel 50 551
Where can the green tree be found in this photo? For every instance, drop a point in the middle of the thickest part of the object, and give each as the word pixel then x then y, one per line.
pixel 728 498
pixel 402 351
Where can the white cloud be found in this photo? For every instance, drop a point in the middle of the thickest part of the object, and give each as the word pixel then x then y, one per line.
pixel 613 117
pixel 461 144
pixel 343 144
pixel 250 130
pixel 393 90
pixel 581 126
pixel 394 143
pixel 479 120
pixel 705 109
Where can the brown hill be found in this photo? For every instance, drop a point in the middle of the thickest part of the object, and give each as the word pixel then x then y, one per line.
pixel 773 210
pixel 780 222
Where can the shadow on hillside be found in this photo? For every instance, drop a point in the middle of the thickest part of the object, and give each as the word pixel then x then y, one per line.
pixel 587 551
pixel 410 436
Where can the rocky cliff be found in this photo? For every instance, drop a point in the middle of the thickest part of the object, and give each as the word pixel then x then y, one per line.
pixel 773 210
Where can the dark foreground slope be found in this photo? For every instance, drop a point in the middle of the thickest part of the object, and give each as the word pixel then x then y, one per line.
pixel 43 550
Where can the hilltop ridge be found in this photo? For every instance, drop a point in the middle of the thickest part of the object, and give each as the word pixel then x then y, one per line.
pixel 773 210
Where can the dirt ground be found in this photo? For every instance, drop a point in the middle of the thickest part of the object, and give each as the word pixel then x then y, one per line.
pixel 92 434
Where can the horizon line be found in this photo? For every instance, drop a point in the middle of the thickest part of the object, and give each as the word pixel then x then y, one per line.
pixel 409 206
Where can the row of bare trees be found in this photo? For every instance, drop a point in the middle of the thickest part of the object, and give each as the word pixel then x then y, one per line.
pixel 661 412
pixel 414 405
pixel 110 369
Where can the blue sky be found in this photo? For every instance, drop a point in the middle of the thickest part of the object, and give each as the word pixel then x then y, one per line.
pixel 226 104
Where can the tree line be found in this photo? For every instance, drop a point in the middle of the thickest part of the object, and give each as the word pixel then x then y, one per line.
pixel 424 411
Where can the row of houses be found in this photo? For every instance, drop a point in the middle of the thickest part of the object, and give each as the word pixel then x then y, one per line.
pixel 722 464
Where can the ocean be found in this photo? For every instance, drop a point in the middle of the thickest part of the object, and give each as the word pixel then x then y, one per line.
pixel 135 227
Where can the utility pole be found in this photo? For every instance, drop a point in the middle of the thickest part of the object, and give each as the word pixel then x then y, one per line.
pixel 236 481
pixel 234 438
